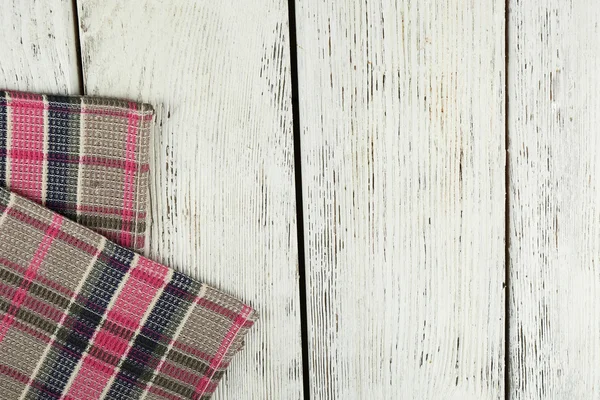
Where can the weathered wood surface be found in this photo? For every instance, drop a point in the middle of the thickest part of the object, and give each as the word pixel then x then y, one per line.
pixel 38 47
pixel 223 200
pixel 402 132
pixel 553 123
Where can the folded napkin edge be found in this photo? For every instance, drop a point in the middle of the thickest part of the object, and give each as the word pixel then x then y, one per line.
pixel 95 100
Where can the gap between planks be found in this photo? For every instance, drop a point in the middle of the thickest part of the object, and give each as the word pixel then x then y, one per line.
pixel 76 35
pixel 506 209
pixel 299 202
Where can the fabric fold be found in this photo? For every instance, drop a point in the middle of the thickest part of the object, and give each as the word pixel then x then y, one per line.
pixel 83 317
pixel 84 157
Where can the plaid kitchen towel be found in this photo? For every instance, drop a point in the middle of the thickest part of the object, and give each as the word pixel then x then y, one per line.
pixel 84 318
pixel 83 157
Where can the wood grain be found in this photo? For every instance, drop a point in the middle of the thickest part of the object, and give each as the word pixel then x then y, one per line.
pixel 402 132
pixel 38 47
pixel 223 200
pixel 553 85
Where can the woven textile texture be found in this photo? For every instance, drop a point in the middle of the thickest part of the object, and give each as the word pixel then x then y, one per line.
pixel 84 157
pixel 84 318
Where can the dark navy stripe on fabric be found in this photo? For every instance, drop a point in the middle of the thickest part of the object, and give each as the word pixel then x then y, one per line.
pixel 61 186
pixel 4 199
pixel 3 135
pixel 113 263
pixel 173 301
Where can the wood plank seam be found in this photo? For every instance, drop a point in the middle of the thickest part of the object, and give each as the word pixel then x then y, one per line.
pixel 506 284
pixel 77 43
pixel 299 200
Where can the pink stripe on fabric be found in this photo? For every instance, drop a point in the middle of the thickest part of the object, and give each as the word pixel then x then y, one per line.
pixel 94 109
pixel 142 285
pixel 27 145
pixel 29 276
pixel 128 184
pixel 27 154
pixel 240 320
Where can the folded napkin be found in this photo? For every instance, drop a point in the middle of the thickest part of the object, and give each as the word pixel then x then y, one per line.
pixel 82 317
pixel 83 157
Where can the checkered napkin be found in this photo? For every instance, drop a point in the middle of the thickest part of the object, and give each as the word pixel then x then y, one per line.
pixel 83 157
pixel 84 318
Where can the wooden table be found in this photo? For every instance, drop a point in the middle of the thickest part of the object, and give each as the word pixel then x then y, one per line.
pixel 406 190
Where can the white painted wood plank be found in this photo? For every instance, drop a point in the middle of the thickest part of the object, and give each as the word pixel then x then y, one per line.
pixel 402 124
pixel 38 47
pixel 554 145
pixel 223 200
